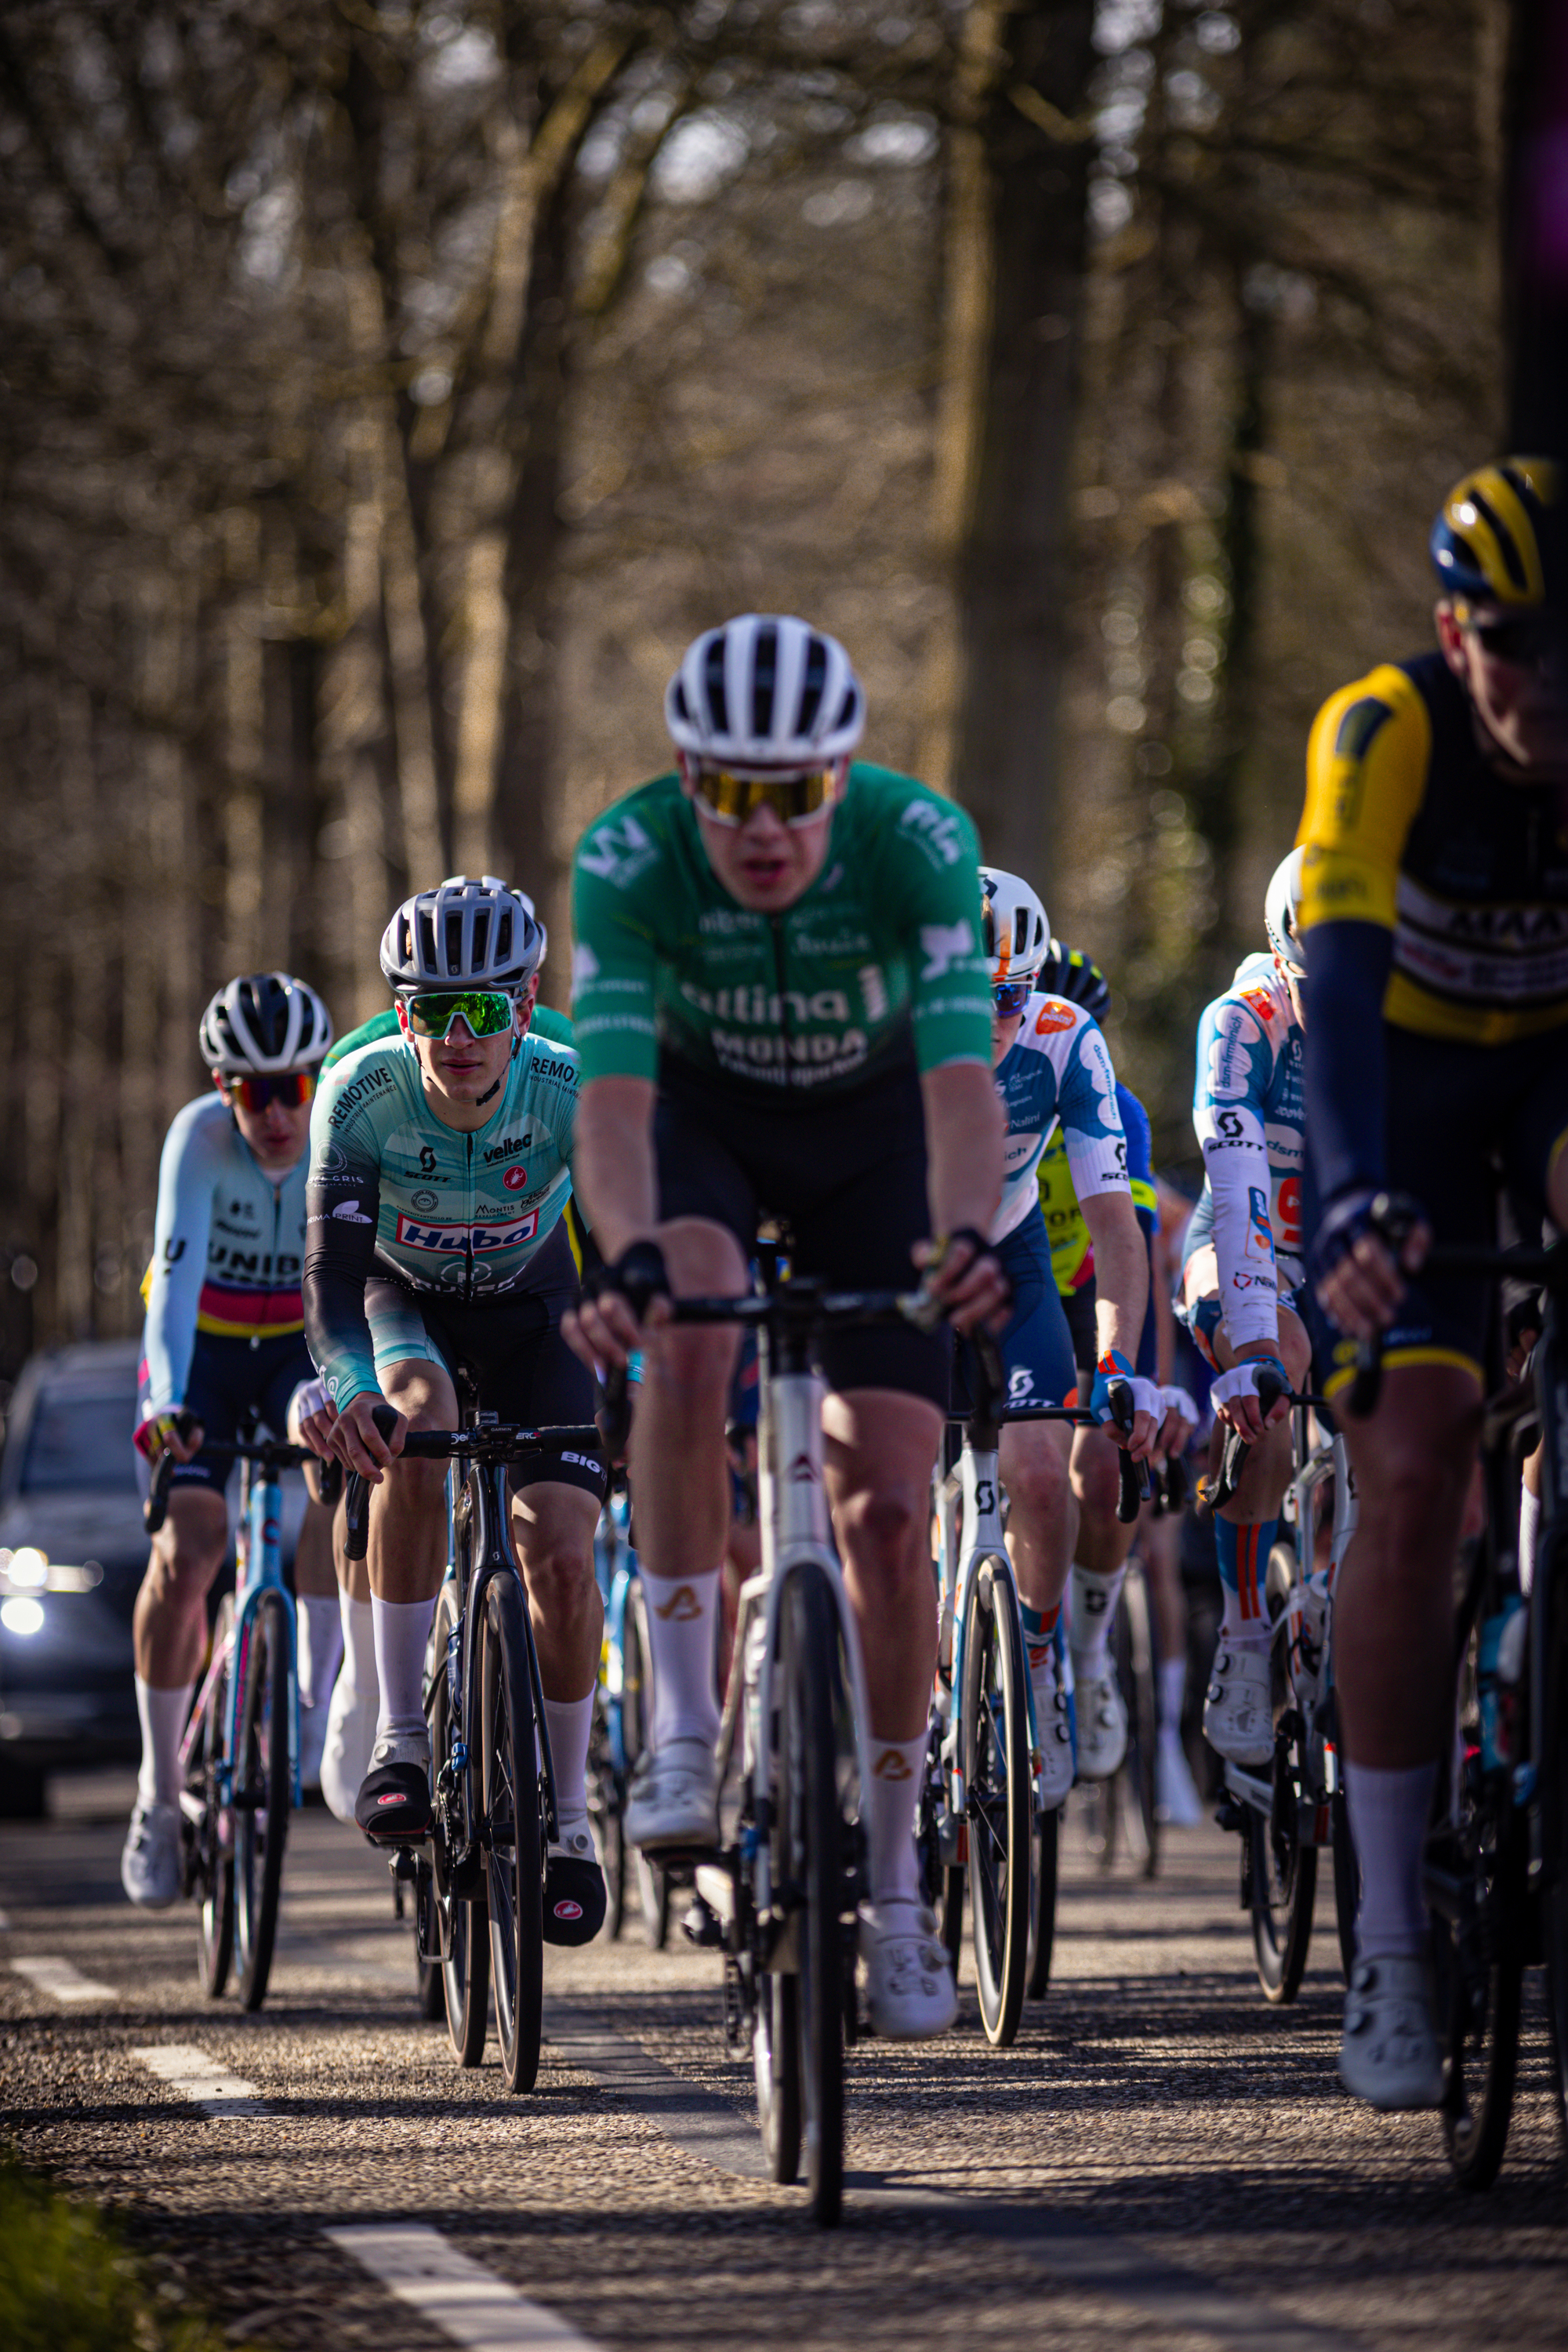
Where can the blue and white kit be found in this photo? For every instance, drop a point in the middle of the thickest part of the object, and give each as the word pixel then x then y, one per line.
pixel 1248 1113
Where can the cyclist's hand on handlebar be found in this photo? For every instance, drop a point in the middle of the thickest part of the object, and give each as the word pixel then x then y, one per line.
pixel 358 1442
pixel 1368 1242
pixel 160 1434
pixel 1141 1440
pixel 620 1304
pixel 1181 1420
pixel 1236 1398
pixel 962 1271
pixel 312 1417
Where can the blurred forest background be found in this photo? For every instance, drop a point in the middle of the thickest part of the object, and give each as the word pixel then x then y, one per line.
pixel 389 391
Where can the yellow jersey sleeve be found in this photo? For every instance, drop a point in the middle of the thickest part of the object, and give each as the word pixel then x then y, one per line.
pixel 1366 774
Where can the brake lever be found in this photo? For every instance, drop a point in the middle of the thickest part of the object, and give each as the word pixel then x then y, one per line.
pixel 155 1509
pixel 1130 1495
pixel 356 1510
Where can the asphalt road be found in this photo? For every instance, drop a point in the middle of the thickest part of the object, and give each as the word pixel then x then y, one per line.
pixel 1161 2159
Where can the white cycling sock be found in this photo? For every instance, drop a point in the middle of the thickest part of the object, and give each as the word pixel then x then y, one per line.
pixel 1094 1600
pixel 1389 1811
pixel 680 1630
pixel 569 1721
pixel 890 1805
pixel 1173 1692
pixel 1529 1529
pixel 358 1620
pixel 162 1714
pixel 320 1634
pixel 402 1633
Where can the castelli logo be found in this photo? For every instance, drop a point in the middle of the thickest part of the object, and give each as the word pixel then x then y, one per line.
pixel 567 1909
pixel 515 1179
pixel 1054 1014
pixel 395 1797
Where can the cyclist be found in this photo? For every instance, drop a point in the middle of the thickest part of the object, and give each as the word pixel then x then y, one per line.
pixel 1102 1542
pixel 440 1172
pixel 1241 1278
pixel 1053 1072
pixel 1435 890
pixel 225 1332
pixel 356 1696
pixel 781 1005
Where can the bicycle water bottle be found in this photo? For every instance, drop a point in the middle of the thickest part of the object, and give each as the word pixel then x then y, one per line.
pixel 1498 1674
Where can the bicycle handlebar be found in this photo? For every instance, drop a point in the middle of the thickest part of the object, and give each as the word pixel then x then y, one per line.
pixel 493 1441
pixel 273 1452
pixel 1489 1264
pixel 1270 1388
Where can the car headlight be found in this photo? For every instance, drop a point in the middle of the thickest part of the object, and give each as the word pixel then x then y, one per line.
pixel 28 1568
pixel 22 1615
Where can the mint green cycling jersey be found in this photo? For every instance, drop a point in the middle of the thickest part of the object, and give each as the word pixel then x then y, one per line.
pixel 393 1192
pixel 880 962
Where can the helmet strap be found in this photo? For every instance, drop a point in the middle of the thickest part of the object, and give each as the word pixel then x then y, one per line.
pixel 490 1091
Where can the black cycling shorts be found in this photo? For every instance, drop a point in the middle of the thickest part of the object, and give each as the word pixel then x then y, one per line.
pixel 846 1177
pixel 228 1378
pixel 510 1346
pixel 1450 1108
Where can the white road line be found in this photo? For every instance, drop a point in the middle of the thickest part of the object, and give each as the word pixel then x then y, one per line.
pixel 205 2081
pixel 457 2294
pixel 60 1979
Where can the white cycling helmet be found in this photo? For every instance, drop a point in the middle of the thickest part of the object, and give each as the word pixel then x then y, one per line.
pixel 1281 909
pixel 1015 933
pixel 466 934
pixel 265 1021
pixel 765 691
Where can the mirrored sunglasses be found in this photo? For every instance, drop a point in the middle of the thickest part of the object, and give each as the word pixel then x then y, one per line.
pixel 1010 995
pixel 290 1087
pixel 794 800
pixel 487 1011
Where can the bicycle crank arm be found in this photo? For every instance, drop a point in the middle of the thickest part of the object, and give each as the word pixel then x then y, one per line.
pixel 1250 1789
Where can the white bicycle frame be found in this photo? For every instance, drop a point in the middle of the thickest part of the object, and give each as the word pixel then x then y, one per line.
pixel 975 1485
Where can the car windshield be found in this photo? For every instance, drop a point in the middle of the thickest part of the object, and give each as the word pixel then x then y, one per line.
pixel 81 1441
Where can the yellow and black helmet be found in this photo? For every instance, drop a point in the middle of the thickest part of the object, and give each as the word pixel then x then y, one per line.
pixel 1498 538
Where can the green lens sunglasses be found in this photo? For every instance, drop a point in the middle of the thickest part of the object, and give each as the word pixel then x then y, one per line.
pixel 487 1011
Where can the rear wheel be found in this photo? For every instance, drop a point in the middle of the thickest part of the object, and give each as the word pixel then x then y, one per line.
pixel 1347 1877
pixel 810 1854
pixel 996 1777
pixel 210 1867
pixel 1134 1645
pixel 1554 1837
pixel 775 2061
pixel 1282 1873
pixel 263 1794
pixel 1477 1874
pixel 516 1844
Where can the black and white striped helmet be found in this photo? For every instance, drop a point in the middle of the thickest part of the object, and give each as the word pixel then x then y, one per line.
pixel 466 934
pixel 265 1021
pixel 765 691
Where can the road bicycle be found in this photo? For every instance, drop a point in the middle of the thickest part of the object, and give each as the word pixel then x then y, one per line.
pixel 1287 1815
pixel 239 1755
pixel 984 1827
pixel 623 1718
pixel 1121 1812
pixel 478 1879
pixel 1496 1865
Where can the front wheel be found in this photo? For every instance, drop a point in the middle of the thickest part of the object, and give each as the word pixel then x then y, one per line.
pixel 1476 1868
pixel 996 1776
pixel 210 1859
pixel 461 1988
pixel 513 1830
pixel 263 1794
pixel 809 1867
pixel 1044 1843
pixel 1347 1876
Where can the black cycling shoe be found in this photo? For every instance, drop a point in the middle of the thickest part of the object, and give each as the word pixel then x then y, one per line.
pixel 392 1807
pixel 574 1890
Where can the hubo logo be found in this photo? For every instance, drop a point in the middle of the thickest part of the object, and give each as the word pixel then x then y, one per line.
pixel 1020 1383
pixel 936 830
pixel 943 944
pixel 617 852
pixel 681 1608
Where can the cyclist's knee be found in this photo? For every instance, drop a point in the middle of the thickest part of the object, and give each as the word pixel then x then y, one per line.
pixel 883 1528
pixel 1036 1482
pixel 419 1487
pixel 689 1369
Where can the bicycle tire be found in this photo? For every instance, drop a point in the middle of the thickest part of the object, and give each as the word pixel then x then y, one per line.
pixel 811 1847
pixel 1555 1839
pixel 462 1991
pixel 212 1870
pixel 515 1852
pixel 606 1800
pixel 1480 1970
pixel 1347 1877
pixel 997 1774
pixel 636 1726
pixel 1136 1669
pixel 776 2065
pixel 264 1796
pixel 1045 1844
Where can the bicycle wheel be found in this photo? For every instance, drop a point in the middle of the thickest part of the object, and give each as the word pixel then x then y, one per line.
pixel 462 1978
pixel 1044 1842
pixel 776 2062
pixel 810 1864
pixel 263 1795
pixel 516 1843
pixel 1476 1868
pixel 997 1775
pixel 1553 1743
pixel 210 1870
pixel 636 1729
pixel 605 1801
pixel 1134 1647
pixel 1347 1878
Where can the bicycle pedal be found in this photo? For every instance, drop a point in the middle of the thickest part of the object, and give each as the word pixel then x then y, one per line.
pixel 701 1925
pixel 404 1865
pixel 1230 1813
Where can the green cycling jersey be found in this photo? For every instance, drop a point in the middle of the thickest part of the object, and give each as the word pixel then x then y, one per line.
pixel 877 964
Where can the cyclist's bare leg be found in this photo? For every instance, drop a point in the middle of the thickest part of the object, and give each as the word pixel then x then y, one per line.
pixel 553 1527
pixel 1043 1520
pixel 170 1623
pixel 1104 1543
pixel 313 1566
pixel 406 1556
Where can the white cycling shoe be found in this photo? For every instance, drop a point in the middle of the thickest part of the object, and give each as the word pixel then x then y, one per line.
pixel 673 1799
pixel 1053 1721
pixel 1101 1722
pixel 1238 1713
pixel 1389 2055
pixel 348 1737
pixel 910 1992
pixel 1176 1798
pixel 150 1864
